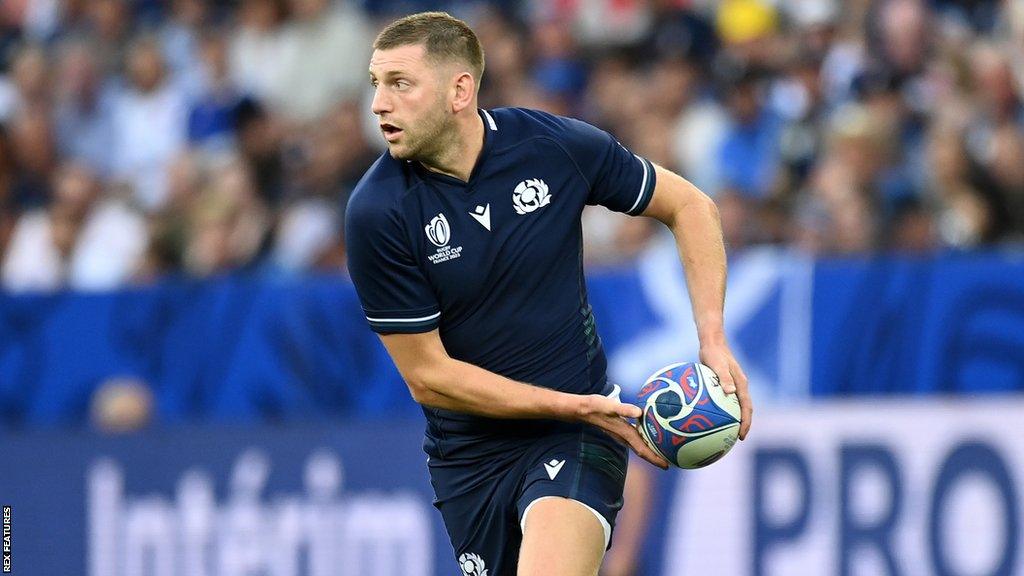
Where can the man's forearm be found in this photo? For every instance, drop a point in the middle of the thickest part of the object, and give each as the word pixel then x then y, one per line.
pixel 463 387
pixel 439 381
pixel 698 232
pixel 697 227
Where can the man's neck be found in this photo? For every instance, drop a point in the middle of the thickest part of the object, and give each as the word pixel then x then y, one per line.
pixel 462 152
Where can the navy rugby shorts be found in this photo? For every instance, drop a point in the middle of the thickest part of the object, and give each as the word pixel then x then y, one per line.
pixel 483 501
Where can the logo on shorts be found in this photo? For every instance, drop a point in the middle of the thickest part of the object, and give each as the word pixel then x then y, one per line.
pixel 530 195
pixel 472 565
pixel 554 467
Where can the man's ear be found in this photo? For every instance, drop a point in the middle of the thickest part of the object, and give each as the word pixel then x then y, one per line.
pixel 465 90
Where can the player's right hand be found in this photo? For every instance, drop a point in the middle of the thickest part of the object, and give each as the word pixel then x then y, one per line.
pixel 610 415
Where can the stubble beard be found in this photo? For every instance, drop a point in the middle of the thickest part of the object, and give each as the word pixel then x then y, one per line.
pixel 432 140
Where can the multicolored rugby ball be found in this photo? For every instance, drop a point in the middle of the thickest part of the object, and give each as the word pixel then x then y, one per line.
pixel 687 417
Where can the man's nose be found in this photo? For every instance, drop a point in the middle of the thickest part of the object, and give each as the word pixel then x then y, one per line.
pixel 381 102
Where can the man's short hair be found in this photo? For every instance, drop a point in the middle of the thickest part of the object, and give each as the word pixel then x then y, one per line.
pixel 444 37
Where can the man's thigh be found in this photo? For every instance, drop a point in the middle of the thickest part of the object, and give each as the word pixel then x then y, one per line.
pixel 571 494
pixel 561 537
pixel 483 502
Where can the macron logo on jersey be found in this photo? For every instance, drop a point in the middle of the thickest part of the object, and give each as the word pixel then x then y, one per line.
pixel 554 467
pixel 482 214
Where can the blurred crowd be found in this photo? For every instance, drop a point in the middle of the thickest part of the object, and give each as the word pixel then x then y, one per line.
pixel 147 138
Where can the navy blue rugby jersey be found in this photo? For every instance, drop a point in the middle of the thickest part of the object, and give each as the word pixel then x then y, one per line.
pixel 495 263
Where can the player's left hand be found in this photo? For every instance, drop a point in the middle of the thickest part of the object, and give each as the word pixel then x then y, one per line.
pixel 719 358
pixel 610 415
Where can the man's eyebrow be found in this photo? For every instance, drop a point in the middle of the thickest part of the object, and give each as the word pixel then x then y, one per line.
pixel 390 73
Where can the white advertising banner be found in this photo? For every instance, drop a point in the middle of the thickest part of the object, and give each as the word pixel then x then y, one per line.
pixel 896 487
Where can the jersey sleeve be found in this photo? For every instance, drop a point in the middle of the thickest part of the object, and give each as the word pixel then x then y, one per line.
pixel 619 180
pixel 394 294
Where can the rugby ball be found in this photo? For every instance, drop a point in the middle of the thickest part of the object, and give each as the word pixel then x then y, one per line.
pixel 687 417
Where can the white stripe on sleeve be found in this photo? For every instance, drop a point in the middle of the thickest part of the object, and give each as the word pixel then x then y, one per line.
pixel 643 185
pixel 421 319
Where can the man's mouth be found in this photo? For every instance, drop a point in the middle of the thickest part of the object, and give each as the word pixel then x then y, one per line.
pixel 391 132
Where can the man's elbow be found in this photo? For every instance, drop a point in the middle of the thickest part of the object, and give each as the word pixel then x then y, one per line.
pixel 695 204
pixel 709 206
pixel 424 383
pixel 421 393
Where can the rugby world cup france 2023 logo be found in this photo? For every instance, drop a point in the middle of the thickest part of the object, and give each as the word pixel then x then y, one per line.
pixel 530 195
pixel 438 231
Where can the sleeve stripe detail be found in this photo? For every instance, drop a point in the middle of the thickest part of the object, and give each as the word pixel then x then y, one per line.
pixel 643 186
pixel 420 319
pixel 490 121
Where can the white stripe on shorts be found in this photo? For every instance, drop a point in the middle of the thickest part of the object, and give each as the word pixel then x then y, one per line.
pixel 604 523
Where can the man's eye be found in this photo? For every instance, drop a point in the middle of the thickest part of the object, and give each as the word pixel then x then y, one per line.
pixel 402 84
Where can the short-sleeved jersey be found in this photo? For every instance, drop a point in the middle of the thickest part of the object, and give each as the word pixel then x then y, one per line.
pixel 494 263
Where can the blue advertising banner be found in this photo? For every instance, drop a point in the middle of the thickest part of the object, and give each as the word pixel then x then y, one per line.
pixel 908 326
pixel 330 499
pixel 234 349
pixel 901 488
pixel 947 324
pixel 247 350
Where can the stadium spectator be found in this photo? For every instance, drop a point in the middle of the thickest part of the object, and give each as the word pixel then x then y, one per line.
pixel 749 30
pixel 30 77
pixel 149 125
pixel 215 98
pixel 81 240
pixel 323 58
pixel 899 36
pixel 228 224
pixel 699 128
pixel 83 112
pixel 599 24
pixel 259 138
pixel 507 63
pixel 109 24
pixel 748 157
pixel 306 236
pixel 256 54
pixel 1008 172
pixel 180 39
pixel 835 127
pixel 35 156
pixel 557 70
